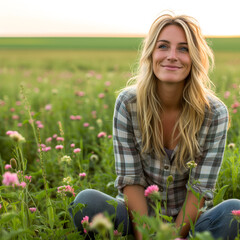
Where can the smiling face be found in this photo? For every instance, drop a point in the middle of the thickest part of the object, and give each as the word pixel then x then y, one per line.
pixel 171 59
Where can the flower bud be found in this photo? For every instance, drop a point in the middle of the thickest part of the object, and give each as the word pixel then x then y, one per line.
pixel 13 163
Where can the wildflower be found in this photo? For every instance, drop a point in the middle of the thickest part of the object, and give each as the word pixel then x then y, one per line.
pixel 101 95
pixel 236 212
pixel 67 180
pixel 19 124
pixel 100 223
pixel 236 104
pixel 10 179
pixel 82 175
pixel 9 132
pixel 54 135
pixel 49 139
pixel 60 139
pixel 77 150
pixel 31 121
pixel 99 122
pixel 72 117
pixel 79 93
pixel 99 76
pixel 94 157
pixel 226 94
pixel 40 125
pixel 102 134
pixel 109 136
pixel 66 191
pixel 48 107
pixel 191 164
pixel 13 163
pixel 94 114
pixel 46 149
pixel 66 159
pixel 0 205
pixel 22 184
pixel 151 190
pixel 72 145
pixel 7 166
pixel 169 179
pixel 234 110
pixel 231 145
pixel 107 83
pixel 116 233
pixel 105 106
pixel 85 223
pixel 28 178
pixel 16 136
pixel 15 117
pixel 86 124
pixel 59 147
pixel 32 209
pixel 78 117
pixel 234 85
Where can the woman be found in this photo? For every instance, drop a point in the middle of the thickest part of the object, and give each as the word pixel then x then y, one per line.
pixel 166 119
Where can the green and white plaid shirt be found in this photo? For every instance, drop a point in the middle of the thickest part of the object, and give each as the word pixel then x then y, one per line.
pixel 133 167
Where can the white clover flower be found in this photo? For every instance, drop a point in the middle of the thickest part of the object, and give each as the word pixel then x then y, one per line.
pixel 66 159
pixel 17 137
pixel 100 222
pixel 191 164
pixel 67 180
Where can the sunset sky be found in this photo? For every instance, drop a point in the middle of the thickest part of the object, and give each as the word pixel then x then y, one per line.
pixel 110 17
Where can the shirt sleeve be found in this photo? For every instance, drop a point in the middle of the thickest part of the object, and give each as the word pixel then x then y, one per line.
pixel 203 178
pixel 127 158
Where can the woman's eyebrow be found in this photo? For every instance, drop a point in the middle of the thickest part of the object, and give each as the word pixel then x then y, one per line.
pixel 166 41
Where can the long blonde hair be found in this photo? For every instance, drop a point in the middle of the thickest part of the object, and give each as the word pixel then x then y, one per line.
pixel 197 88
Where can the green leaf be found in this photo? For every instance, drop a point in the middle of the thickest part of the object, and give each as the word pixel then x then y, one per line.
pixel 6 217
pixel 218 198
pixel 50 212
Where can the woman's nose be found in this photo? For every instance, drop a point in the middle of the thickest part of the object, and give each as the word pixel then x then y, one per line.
pixel 172 54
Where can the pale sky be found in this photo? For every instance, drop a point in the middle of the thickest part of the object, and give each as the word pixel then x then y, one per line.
pixel 111 17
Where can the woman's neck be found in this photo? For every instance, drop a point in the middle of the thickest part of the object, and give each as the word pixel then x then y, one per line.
pixel 170 95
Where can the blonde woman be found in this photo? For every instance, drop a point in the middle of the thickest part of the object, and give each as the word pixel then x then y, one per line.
pixel 167 118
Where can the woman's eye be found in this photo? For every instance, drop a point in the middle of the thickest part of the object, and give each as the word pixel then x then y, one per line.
pixel 162 46
pixel 183 49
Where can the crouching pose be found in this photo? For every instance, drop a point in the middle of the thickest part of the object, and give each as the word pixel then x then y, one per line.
pixel 168 117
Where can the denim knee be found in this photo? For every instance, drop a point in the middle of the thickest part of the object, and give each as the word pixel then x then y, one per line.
pixel 219 220
pixel 97 202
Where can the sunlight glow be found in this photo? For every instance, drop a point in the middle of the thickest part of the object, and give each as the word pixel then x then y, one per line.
pixel 110 17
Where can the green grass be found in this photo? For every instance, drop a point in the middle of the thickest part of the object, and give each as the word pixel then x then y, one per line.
pixel 99 43
pixel 56 77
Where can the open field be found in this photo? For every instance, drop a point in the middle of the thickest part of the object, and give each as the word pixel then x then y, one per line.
pixel 61 97
pixel 100 43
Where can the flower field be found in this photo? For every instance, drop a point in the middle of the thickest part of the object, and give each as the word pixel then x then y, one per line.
pixel 56 134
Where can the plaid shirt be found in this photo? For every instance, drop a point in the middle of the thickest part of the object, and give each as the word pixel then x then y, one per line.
pixel 133 167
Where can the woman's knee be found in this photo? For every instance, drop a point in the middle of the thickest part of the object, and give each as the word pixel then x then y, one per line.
pixel 86 196
pixel 229 205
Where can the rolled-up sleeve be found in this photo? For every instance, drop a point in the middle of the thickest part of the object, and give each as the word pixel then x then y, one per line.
pixel 203 178
pixel 127 158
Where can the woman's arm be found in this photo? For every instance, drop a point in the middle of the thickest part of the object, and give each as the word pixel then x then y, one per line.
pixel 191 211
pixel 136 201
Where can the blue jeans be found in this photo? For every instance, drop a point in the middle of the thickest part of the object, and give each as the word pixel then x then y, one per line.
pixel 217 220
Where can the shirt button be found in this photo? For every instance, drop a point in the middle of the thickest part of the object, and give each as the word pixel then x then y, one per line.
pixel 166 167
pixel 161 189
